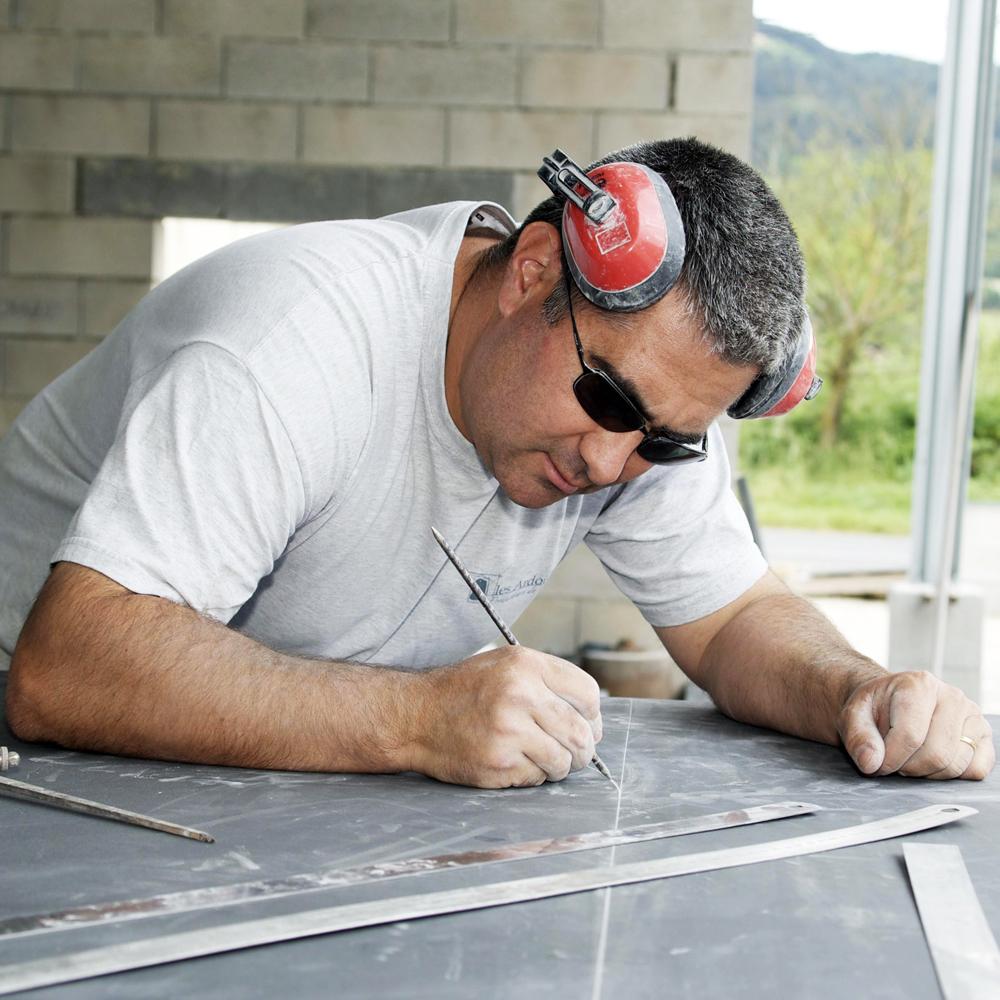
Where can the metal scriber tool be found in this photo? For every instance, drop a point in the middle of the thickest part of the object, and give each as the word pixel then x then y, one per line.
pixel 212 897
pixel 70 966
pixel 498 621
pixel 49 797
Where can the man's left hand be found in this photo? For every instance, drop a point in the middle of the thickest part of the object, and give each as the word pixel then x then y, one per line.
pixel 913 724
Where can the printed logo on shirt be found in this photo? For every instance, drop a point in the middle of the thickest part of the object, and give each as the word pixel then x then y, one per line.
pixel 491 584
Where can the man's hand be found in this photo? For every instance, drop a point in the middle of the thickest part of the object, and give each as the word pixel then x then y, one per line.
pixel 506 717
pixel 912 724
pixel 772 659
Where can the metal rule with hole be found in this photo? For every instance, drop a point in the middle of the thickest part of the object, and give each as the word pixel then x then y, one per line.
pixel 74 966
pixel 243 892
pixel 962 945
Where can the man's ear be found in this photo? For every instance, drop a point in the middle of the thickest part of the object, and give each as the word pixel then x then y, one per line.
pixel 533 269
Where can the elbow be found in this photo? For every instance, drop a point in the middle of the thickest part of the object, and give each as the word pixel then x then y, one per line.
pixel 25 698
pixel 33 690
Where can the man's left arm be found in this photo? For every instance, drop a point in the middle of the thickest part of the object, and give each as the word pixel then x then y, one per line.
pixel 772 659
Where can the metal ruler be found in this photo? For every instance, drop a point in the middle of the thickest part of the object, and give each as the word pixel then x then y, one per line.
pixel 962 945
pixel 223 895
pixel 74 966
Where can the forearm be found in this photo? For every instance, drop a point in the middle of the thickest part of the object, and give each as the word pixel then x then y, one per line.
pixel 781 664
pixel 122 673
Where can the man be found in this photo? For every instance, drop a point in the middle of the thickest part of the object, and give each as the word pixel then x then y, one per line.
pixel 267 439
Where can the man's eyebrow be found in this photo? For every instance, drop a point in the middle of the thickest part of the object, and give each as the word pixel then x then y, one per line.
pixel 628 387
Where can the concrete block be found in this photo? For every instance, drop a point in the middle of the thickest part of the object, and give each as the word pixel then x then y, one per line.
pixel 244 18
pixel 80 247
pixel 379 20
pixel 714 84
pixel 5 14
pixel 311 71
pixel 9 409
pixel 528 192
pixel 391 191
pixel 107 303
pixel 80 125
pixel 296 194
pixel 730 132
pixel 612 621
pixel 226 130
pixel 151 188
pixel 36 62
pixel 679 24
pixel 150 65
pixel 89 15
pixel 546 22
pixel 445 76
pixel 37 306
pixel 581 576
pixel 36 184
pixel 549 625
pixel 564 79
pixel 912 618
pixel 516 139
pixel 362 135
pixel 30 365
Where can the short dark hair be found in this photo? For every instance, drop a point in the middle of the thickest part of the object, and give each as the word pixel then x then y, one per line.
pixel 743 272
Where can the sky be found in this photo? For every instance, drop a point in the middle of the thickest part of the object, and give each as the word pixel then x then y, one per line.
pixel 913 28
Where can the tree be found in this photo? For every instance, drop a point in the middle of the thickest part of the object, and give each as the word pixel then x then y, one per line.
pixel 861 217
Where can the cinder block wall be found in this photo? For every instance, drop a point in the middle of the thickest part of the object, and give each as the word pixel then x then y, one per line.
pixel 115 113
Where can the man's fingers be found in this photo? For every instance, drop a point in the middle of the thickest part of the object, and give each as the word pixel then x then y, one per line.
pixel 984 756
pixel 567 726
pixel 912 703
pixel 546 754
pixel 577 688
pixel 941 751
pixel 861 737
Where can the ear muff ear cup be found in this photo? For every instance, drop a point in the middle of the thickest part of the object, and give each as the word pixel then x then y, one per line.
pixel 622 232
pixel 634 256
pixel 780 391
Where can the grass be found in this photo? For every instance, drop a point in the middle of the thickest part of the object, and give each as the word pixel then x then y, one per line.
pixel 864 483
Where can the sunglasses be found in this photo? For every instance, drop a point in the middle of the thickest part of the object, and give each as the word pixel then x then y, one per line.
pixel 608 406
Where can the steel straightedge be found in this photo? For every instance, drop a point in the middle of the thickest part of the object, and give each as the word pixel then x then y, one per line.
pixel 245 892
pixel 72 967
pixel 962 945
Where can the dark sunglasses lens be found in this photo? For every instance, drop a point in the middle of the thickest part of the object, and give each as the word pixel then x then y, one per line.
pixel 605 405
pixel 663 451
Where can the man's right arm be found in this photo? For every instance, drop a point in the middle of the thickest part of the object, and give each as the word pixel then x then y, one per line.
pixel 100 668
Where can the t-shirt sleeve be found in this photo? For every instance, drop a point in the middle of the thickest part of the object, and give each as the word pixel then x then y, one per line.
pixel 675 541
pixel 200 491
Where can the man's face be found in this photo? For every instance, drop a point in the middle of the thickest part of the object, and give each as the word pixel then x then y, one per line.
pixel 530 430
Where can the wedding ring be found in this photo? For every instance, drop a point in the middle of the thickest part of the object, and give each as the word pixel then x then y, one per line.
pixel 972 743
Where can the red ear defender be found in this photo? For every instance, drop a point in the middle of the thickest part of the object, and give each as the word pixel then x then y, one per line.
pixel 622 232
pixel 780 391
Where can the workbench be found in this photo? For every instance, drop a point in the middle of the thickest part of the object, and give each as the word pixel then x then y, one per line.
pixel 842 924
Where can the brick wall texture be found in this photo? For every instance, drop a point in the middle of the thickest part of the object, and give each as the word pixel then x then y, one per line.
pixel 116 112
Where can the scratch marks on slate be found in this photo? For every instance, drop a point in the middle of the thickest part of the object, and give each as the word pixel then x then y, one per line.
pixel 602 943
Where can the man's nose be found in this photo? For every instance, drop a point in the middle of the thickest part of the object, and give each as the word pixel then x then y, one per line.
pixel 605 454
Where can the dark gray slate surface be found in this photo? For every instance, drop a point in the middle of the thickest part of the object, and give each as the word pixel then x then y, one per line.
pixel 825 926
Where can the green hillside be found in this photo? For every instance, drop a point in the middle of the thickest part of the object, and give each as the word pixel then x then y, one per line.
pixel 805 91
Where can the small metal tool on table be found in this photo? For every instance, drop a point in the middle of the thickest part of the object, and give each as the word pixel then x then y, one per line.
pixel 497 620
pixel 45 795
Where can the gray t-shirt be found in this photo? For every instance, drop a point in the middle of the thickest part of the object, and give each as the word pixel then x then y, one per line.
pixel 265 438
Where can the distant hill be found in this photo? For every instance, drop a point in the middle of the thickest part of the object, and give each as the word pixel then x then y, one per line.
pixel 804 90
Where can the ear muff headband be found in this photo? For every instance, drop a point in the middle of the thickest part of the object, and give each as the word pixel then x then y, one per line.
pixel 780 391
pixel 622 231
